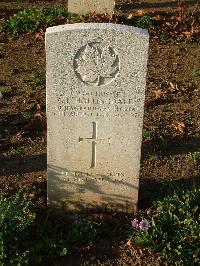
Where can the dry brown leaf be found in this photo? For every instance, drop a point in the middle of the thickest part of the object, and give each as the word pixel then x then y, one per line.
pixel 39 35
pixel 38 108
pixel 158 93
pixel 188 34
pixel 172 85
pixel 18 136
pixel 168 23
pixel 61 17
pixel 82 18
pixel 130 16
pixel 140 12
pixel 180 126
pixel 129 244
pixel 157 18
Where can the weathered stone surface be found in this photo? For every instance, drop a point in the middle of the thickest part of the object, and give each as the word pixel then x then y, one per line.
pixel 96 76
pixel 87 6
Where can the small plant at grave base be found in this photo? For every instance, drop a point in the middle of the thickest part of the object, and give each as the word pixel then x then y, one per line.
pixel 143 22
pixel 82 232
pixel 194 156
pixel 147 133
pixel 172 229
pixel 29 20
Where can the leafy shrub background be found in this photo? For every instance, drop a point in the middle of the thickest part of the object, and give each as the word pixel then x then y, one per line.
pixel 31 19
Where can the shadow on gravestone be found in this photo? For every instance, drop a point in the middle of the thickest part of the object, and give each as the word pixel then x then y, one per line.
pixel 70 202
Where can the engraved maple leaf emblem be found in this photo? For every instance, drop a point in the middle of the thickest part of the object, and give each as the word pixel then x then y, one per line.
pixel 96 64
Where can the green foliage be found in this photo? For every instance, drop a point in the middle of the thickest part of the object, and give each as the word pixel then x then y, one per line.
pixel 36 79
pixel 152 156
pixel 196 72
pixel 85 231
pixel 17 151
pixel 49 242
pixel 82 232
pixel 147 133
pixel 22 240
pixel 2 89
pixel 15 218
pixel 194 156
pixel 28 240
pixel 26 115
pixel 164 36
pixel 6 91
pixel 198 19
pixel 143 22
pixel 29 20
pixel 174 228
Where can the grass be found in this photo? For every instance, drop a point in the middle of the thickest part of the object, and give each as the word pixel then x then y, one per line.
pixel 29 20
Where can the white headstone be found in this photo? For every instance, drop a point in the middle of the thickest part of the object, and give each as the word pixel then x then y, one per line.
pixel 96 76
pixel 91 6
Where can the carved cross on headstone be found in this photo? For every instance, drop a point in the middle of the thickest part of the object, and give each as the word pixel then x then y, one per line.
pixel 94 140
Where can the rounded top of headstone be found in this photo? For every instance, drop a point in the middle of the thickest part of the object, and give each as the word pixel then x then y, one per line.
pixel 99 26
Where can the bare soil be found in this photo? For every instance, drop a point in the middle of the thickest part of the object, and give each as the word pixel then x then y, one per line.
pixel 172 112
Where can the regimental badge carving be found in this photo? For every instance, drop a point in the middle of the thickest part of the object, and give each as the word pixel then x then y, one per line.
pixel 96 65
